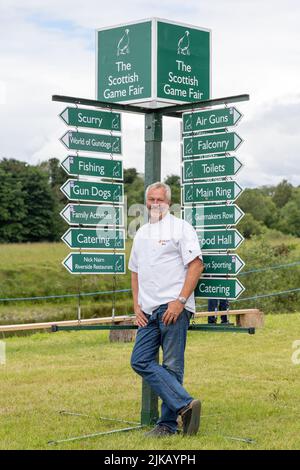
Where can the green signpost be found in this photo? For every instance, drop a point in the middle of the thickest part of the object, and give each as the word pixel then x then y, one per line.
pixel 99 239
pixel 223 239
pixel 91 142
pixel 210 144
pixel 219 288
pixel 96 167
pixel 79 190
pixel 95 263
pixel 210 120
pixel 211 192
pixel 91 118
pixel 87 214
pixel 183 62
pixel 213 215
pixel 153 62
pixel 210 168
pixel 219 264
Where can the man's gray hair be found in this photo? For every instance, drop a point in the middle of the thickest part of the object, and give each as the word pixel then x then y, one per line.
pixel 158 185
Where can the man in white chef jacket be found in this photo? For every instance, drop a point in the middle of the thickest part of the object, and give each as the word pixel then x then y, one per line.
pixel 165 264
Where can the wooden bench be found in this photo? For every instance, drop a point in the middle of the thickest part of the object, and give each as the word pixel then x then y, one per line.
pixel 245 318
pixel 250 317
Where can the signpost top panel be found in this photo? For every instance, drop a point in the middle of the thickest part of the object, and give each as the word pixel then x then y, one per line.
pixel 123 62
pixel 153 62
pixel 183 62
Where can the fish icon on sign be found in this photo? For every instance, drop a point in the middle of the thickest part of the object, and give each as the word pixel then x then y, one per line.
pixel 123 44
pixel 183 46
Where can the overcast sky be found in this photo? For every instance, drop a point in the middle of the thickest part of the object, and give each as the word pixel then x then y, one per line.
pixel 48 47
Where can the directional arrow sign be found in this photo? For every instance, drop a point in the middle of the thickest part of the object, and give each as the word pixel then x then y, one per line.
pixel 211 192
pixel 210 144
pixel 100 215
pixel 99 239
pixel 222 264
pixel 219 239
pixel 210 168
pixel 215 288
pixel 209 120
pixel 88 142
pixel 99 167
pixel 77 190
pixel 206 216
pixel 81 117
pixel 95 263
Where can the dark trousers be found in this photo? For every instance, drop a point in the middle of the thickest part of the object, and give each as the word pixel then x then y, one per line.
pixel 217 305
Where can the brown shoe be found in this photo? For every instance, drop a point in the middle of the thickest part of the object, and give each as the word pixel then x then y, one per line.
pixel 190 416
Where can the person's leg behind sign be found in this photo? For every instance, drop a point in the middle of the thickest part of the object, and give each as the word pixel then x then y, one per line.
pixel 212 307
pixel 224 305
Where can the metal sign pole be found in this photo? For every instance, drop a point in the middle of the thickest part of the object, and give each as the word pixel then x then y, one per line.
pixel 153 139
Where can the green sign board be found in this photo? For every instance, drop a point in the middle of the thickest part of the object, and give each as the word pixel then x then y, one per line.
pixel 227 239
pixel 211 192
pixel 95 263
pixel 81 117
pixel 123 68
pixel 210 168
pixel 222 264
pixel 153 62
pixel 88 142
pixel 214 288
pixel 210 120
pixel 183 62
pixel 78 190
pixel 213 215
pixel 99 238
pixel 100 215
pixel 98 167
pixel 210 144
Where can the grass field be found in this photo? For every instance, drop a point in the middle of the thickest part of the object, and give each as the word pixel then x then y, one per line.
pixel 249 387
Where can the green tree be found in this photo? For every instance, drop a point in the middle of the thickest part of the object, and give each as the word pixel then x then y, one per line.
pixel 248 226
pixel 174 182
pixel 12 208
pixel 282 193
pixel 262 208
pixel 130 174
pixel 289 220
pixel 40 204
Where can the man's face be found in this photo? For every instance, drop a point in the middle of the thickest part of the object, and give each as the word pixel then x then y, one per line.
pixel 157 203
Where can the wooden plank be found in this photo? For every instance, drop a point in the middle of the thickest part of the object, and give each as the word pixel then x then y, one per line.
pixel 118 319
pixel 246 311
pixel 48 325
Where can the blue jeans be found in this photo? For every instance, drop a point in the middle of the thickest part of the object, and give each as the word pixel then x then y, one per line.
pixel 213 306
pixel 166 379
